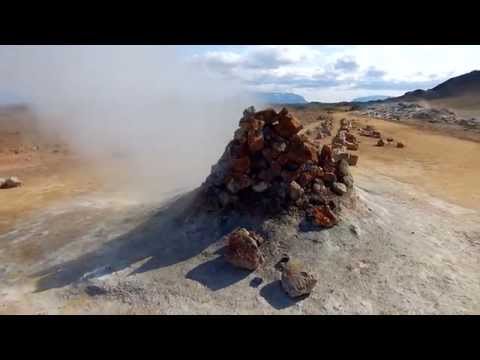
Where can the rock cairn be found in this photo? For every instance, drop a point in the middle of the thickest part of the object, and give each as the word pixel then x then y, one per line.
pixel 268 165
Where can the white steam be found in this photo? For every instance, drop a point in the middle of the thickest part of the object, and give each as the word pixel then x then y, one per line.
pixel 171 119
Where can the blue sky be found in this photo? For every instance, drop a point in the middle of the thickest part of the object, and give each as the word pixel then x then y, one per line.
pixel 335 73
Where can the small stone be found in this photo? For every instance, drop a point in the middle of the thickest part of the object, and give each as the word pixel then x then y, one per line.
pixel 260 187
pixel 295 191
pixel 380 143
pixel 400 145
pixel 339 188
pixel 295 281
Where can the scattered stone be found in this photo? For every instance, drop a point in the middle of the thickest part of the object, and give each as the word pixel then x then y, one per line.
pixel 296 281
pixel 389 139
pixel 243 249
pixel 9 183
pixel 352 159
pixel 380 143
pixel 400 145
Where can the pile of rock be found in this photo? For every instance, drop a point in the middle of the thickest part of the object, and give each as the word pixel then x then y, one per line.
pixel 10 183
pixel 345 141
pixel 269 166
pixel 370 131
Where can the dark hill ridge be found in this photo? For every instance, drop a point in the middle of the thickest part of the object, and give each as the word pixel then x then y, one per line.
pixel 460 85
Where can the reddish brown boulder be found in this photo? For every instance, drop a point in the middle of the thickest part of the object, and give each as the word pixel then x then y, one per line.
pixel 326 156
pixel 300 152
pixel 243 249
pixel 287 126
pixel 241 165
pixel 324 217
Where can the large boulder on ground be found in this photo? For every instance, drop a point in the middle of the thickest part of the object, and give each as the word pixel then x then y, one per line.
pixel 295 280
pixel 243 249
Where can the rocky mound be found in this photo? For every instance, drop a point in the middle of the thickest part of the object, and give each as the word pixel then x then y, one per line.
pixel 268 167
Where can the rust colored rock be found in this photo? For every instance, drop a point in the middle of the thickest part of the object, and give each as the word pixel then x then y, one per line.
pixel 380 143
pixel 255 141
pixel 238 150
pixel 267 115
pixel 389 139
pixel 241 165
pixel 301 152
pixel 400 145
pixel 295 280
pixel 243 249
pixel 326 156
pixel 324 217
pixel 287 126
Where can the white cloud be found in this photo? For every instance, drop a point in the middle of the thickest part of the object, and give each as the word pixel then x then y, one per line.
pixel 340 72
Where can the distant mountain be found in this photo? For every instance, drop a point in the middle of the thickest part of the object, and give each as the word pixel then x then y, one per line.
pixel 463 85
pixel 370 98
pixel 280 98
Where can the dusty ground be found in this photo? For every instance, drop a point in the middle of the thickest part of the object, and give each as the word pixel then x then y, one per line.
pixel 412 245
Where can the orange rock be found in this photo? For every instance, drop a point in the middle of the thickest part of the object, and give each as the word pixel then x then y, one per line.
pixel 241 165
pixel 324 217
pixel 300 152
pixel 288 126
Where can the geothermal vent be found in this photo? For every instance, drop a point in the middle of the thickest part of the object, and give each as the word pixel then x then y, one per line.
pixel 270 168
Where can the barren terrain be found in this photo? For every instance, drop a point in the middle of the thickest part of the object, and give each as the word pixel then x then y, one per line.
pixel 68 245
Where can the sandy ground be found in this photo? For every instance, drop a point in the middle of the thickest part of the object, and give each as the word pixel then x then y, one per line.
pixel 412 245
